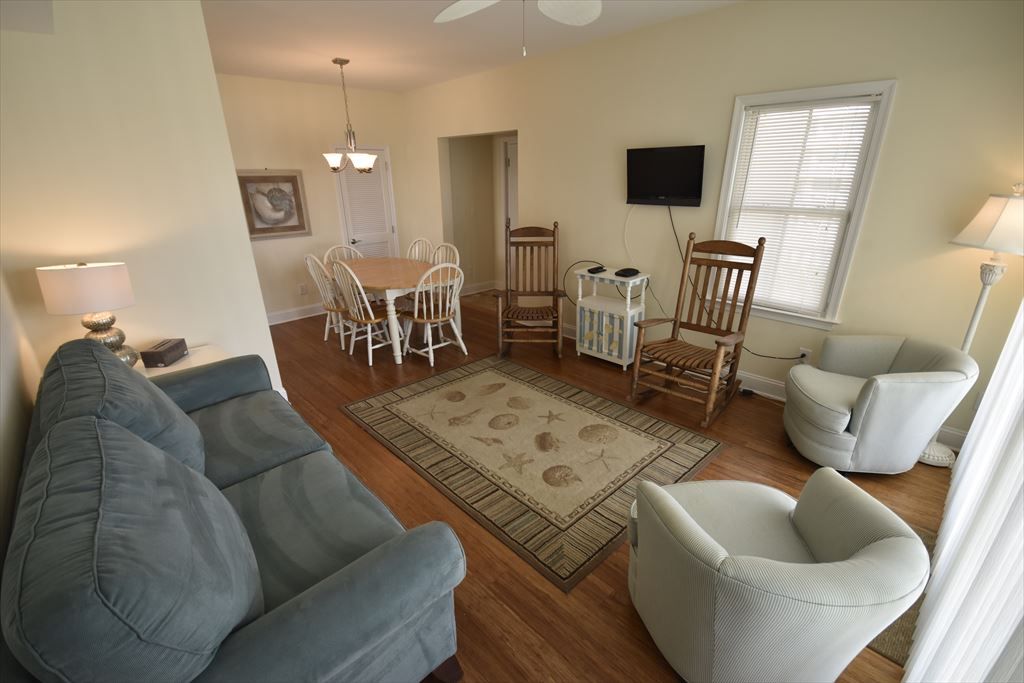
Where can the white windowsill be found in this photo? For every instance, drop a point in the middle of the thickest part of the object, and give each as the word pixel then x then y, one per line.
pixel 794 318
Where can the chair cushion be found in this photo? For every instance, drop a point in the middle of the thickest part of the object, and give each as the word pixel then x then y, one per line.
pixel 250 434
pixel 744 518
pixel 307 519
pixel 83 378
pixel 123 563
pixel 825 399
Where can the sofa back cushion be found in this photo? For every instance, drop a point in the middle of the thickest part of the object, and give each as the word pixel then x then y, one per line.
pixel 123 563
pixel 84 378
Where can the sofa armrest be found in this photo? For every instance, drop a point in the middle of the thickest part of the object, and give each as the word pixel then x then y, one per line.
pixel 205 385
pixel 316 634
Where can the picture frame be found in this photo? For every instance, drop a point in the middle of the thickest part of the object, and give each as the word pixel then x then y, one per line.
pixel 274 203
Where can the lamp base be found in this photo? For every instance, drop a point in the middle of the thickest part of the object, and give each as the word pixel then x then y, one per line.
pixel 938 455
pixel 101 328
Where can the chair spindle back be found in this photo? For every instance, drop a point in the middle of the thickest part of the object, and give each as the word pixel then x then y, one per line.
pixel 352 293
pixel 717 283
pixel 341 252
pixel 421 249
pixel 446 252
pixel 321 277
pixel 531 262
pixel 437 294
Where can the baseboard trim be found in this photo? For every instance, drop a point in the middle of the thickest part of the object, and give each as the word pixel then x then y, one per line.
pixel 290 314
pixel 763 386
pixel 776 390
pixel 952 437
pixel 479 287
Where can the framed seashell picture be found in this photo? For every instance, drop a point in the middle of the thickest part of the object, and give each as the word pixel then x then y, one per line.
pixel 275 203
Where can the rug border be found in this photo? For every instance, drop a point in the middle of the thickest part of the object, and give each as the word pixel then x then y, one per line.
pixel 581 572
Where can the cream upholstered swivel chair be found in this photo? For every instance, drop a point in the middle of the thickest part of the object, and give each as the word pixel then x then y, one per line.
pixel 874 402
pixel 739 582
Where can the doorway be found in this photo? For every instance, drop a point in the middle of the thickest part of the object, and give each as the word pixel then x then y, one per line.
pixel 368 207
pixel 479 191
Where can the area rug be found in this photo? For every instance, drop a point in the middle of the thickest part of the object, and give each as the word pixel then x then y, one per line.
pixel 894 642
pixel 548 468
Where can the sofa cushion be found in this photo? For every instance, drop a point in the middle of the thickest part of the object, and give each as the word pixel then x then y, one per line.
pixel 826 399
pixel 123 563
pixel 250 434
pixel 83 378
pixel 307 519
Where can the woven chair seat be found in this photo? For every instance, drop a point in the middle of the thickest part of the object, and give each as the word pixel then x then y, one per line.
pixel 681 354
pixel 531 313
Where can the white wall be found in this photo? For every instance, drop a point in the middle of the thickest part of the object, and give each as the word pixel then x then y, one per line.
pixel 19 376
pixel 956 134
pixel 471 167
pixel 283 125
pixel 113 147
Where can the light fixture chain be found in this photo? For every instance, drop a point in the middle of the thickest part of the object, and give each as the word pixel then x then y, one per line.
pixel 344 92
pixel 524 28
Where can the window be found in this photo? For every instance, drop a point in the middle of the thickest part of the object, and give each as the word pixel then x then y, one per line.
pixel 797 172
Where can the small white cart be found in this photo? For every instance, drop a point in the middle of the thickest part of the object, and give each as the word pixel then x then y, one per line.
pixel 604 324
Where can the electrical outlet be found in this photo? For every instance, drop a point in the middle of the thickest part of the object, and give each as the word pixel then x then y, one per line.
pixel 806 353
pixel 302 289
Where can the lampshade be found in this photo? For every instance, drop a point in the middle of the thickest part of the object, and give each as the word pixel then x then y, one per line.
pixel 362 161
pixel 85 287
pixel 999 226
pixel 334 160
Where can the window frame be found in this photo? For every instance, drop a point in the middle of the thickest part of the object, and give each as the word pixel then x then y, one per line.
pixel 885 92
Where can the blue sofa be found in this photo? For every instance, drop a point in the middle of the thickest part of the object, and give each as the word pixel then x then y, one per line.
pixel 194 527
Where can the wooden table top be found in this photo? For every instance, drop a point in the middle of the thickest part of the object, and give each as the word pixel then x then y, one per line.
pixel 388 273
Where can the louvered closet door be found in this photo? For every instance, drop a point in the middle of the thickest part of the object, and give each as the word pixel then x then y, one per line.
pixel 368 207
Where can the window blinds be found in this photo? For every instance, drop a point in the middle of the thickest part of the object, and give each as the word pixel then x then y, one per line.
pixel 798 169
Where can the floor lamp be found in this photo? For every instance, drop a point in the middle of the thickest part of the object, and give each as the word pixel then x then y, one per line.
pixel 999 227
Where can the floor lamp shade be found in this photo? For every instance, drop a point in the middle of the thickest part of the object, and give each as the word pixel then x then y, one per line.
pixel 92 289
pixel 999 226
pixel 85 288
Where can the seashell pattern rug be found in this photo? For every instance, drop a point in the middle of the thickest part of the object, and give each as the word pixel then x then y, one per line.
pixel 547 467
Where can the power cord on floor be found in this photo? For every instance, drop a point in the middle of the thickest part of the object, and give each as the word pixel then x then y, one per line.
pixel 711 316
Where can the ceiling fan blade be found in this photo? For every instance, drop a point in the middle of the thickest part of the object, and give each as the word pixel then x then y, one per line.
pixel 462 8
pixel 571 12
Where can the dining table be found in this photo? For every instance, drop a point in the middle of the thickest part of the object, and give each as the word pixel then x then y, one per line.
pixel 392 278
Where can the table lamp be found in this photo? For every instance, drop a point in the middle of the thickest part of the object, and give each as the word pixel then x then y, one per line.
pixel 999 227
pixel 94 289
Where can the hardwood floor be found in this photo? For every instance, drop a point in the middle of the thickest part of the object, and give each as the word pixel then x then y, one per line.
pixel 512 623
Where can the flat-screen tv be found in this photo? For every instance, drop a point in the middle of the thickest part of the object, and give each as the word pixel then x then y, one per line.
pixel 668 176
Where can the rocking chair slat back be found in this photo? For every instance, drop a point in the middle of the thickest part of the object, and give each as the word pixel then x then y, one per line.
pixel 531 260
pixel 711 290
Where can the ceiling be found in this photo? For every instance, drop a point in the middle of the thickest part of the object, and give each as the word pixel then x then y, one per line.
pixel 394 44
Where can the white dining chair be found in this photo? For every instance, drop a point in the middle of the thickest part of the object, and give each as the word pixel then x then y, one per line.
pixel 330 299
pixel 434 305
pixel 446 252
pixel 369 321
pixel 421 249
pixel 341 252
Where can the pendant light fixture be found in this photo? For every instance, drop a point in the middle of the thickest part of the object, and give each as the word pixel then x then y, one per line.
pixel 361 161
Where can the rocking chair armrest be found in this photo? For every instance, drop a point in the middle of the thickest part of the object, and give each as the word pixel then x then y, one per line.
pixel 651 322
pixel 730 340
pixel 560 293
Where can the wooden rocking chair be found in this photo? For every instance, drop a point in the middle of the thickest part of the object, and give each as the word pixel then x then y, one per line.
pixel 717 287
pixel 531 269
